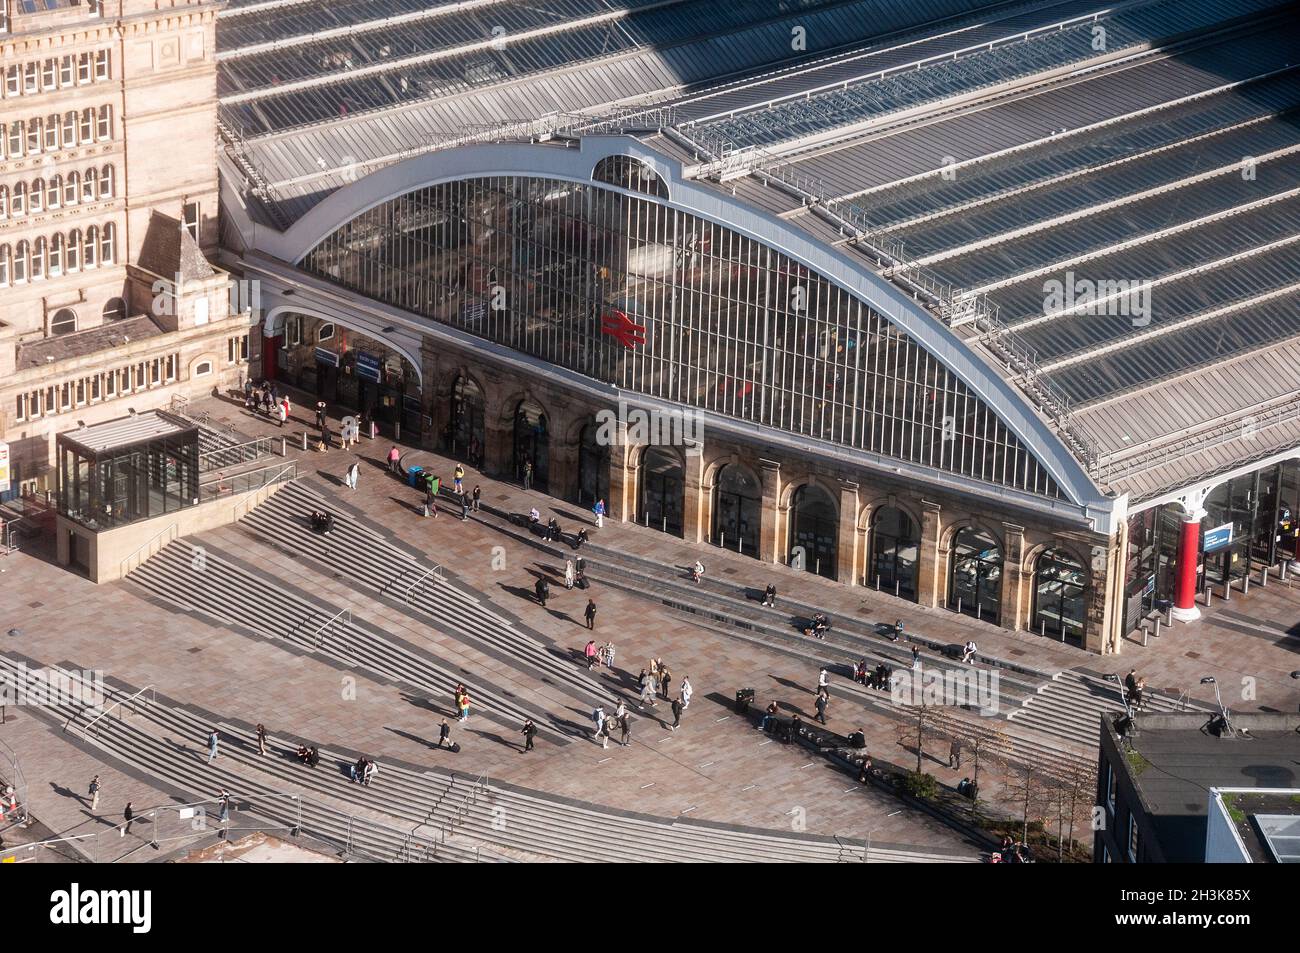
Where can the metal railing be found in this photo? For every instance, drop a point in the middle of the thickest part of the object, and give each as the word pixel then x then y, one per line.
pixel 317 636
pixel 114 707
pixel 409 592
pixel 236 454
pixel 172 532
pixel 248 481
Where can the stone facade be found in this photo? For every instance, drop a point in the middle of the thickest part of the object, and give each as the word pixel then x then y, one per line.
pixel 138 302
pixel 858 495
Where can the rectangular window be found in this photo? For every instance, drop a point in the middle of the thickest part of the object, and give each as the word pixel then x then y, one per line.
pixel 86 131
pixel 21 410
pixel 243 348
pixel 103 69
pixel 95 384
pixel 16 139
pixel 81 392
pixel 110 383
pixel 190 219
pixel 155 371
pixel 171 367
pixel 69 130
pixel 105 125
pixel 51 133
pixel 13 81
pixel 66 71
pixel 50 74
pixel 33 136
pixel 31 78
pixel 83 68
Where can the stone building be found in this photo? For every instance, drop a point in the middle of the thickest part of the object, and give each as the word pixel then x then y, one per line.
pixel 108 299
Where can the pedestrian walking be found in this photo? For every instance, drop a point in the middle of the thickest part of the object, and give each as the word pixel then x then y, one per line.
pixel 598 719
pixel 625 729
pixel 589 652
pixel 898 631
pixel 954 752
pixel 599 511
pixel 223 807
pixel 282 415
pixel 769 596
pixel 458 478
pixel 261 738
pixel 822 682
pixel 354 473
pixel 430 502
pixel 444 733
pixel 677 707
pixel 543 590
pixel 529 732
pixel 464 507
pixel 214 739
pixel 394 456
pixel 590 614
pixel 916 658
pixel 821 704
pixel 687 692
pixel 320 415
pixel 94 793
pixel 568 574
pixel 647 685
pixel 608 656
pixel 665 680
pixel 128 814
pixel 478 492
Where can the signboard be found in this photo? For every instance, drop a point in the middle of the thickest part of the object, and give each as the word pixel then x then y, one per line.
pixel 1150 587
pixel 367 366
pixel 1218 538
pixel 4 467
pixel 326 356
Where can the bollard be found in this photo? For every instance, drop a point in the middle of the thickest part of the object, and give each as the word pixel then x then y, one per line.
pixel 877 582
pixel 1145 633
pixel 1169 617
pixel 1209 597
pixel 959 605
pixel 1245 585
pixel 1157 633
pixel 1227 591
pixel 1263 576
pixel 304 440
pixel 897 583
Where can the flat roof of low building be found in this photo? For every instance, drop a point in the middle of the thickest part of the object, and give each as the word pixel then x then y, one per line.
pixel 65 347
pixel 126 432
pixel 1176 759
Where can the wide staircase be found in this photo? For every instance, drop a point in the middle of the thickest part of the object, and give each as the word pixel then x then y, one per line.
pixel 435 815
pixel 428 593
pixel 203 579
pixel 1071 705
pixel 1050 719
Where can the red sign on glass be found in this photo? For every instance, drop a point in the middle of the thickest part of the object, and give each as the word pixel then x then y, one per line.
pixel 623 329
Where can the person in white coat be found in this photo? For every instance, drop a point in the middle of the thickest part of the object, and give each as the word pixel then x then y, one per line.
pixel 354 472
pixel 686 691
pixel 568 574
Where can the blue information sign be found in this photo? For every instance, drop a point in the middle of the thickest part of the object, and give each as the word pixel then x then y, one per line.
pixel 1218 538
pixel 367 366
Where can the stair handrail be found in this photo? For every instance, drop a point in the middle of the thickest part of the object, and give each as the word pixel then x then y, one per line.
pixel 314 638
pixel 173 529
pixel 117 704
pixel 434 570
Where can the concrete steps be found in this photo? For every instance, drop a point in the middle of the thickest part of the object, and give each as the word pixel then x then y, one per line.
pixel 452 816
pixel 201 579
pixel 386 571
pixel 1071 706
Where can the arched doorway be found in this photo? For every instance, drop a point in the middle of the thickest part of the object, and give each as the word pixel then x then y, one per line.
pixel 593 465
pixel 465 434
pixel 662 490
pixel 1060 603
pixel 814 530
pixel 532 443
pixel 895 547
pixel 737 510
pixel 975 582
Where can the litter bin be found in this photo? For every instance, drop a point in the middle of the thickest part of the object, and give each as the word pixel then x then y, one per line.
pixel 414 476
pixel 744 698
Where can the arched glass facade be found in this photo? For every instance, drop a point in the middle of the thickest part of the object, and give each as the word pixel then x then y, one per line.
pixel 737 510
pixel 814 531
pixel 895 551
pixel 662 496
pixel 633 292
pixel 976 584
pixel 1060 584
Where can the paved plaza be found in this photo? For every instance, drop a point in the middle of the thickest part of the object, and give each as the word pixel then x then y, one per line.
pixel 715 767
